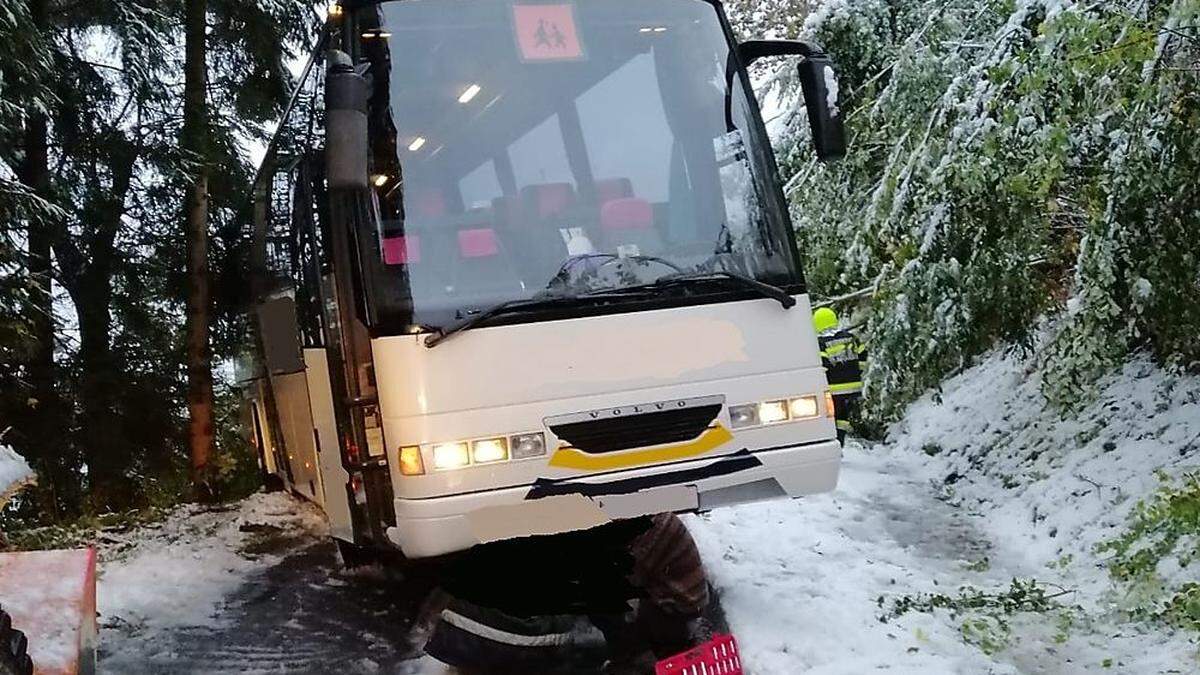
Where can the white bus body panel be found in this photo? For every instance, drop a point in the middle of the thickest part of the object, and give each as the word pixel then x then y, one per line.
pixel 296 427
pixel 431 527
pixel 509 379
pixel 333 476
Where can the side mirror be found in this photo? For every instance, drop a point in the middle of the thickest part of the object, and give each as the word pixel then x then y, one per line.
pixel 818 80
pixel 820 84
pixel 346 143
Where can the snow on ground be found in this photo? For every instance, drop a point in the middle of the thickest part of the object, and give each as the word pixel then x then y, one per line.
pixel 799 580
pixel 1053 489
pixel 180 571
pixel 14 472
pixel 976 490
pixel 254 587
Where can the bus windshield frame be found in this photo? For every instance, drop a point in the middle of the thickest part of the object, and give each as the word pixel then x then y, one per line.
pixel 567 150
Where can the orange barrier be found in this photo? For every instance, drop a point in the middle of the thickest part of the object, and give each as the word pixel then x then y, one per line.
pixel 51 597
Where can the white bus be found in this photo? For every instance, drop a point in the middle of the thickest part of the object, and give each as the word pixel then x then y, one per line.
pixel 525 268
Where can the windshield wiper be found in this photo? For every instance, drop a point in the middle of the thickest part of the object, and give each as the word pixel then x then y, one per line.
pixel 550 296
pixel 545 299
pixel 473 320
pixel 762 288
pixel 481 317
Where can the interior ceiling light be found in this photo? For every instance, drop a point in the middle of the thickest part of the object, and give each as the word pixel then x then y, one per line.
pixel 379 33
pixel 471 92
pixel 380 180
pixel 417 144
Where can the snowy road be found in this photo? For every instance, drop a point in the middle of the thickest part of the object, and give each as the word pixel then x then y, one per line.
pixel 299 615
pixel 252 589
pixel 800 583
pixel 983 487
pixel 974 492
pixel 256 588
pixel 799 580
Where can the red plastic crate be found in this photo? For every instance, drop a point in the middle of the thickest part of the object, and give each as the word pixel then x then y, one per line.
pixel 718 656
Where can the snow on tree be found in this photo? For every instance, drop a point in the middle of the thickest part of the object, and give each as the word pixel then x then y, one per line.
pixel 1008 158
pixel 22 65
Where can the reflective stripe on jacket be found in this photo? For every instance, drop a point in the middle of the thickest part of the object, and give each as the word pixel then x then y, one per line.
pixel 842 355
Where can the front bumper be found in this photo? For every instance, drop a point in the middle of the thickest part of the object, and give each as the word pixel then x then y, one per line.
pixel 441 525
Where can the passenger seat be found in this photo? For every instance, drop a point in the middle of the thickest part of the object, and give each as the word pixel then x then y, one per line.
pixel 483 266
pixel 627 226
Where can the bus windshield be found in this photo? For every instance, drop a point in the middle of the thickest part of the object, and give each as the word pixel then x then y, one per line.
pixel 574 147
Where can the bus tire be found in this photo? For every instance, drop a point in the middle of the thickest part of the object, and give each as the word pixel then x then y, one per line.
pixel 14 656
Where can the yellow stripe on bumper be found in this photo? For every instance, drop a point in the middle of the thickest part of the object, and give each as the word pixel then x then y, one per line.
pixel 572 458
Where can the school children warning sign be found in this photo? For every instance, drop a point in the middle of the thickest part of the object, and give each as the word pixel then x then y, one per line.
pixel 547 32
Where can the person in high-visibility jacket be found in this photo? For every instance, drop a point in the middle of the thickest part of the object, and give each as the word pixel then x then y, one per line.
pixel 843 357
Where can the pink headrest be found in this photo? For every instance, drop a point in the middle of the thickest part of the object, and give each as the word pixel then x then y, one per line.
pixel 480 243
pixel 627 214
pixel 402 250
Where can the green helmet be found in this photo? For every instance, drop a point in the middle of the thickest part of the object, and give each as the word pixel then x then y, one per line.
pixel 824 319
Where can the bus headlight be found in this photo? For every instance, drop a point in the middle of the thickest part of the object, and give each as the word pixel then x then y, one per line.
pixel 804 408
pixel 450 456
pixel 489 450
pixel 742 416
pixel 462 454
pixel 410 462
pixel 795 409
pixel 525 446
pixel 773 412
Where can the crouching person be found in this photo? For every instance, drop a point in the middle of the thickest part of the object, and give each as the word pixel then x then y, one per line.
pixel 669 617
pixel 640 582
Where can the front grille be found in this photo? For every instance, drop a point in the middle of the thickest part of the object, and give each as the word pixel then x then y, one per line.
pixel 624 432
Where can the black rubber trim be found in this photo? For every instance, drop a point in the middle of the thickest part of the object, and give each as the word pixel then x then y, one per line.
pixel 739 461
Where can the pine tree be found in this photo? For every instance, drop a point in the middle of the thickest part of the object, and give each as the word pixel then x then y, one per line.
pixel 112 105
pixel 195 142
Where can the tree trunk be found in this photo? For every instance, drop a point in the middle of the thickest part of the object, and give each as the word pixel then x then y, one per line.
pixel 199 298
pixel 107 453
pixel 89 281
